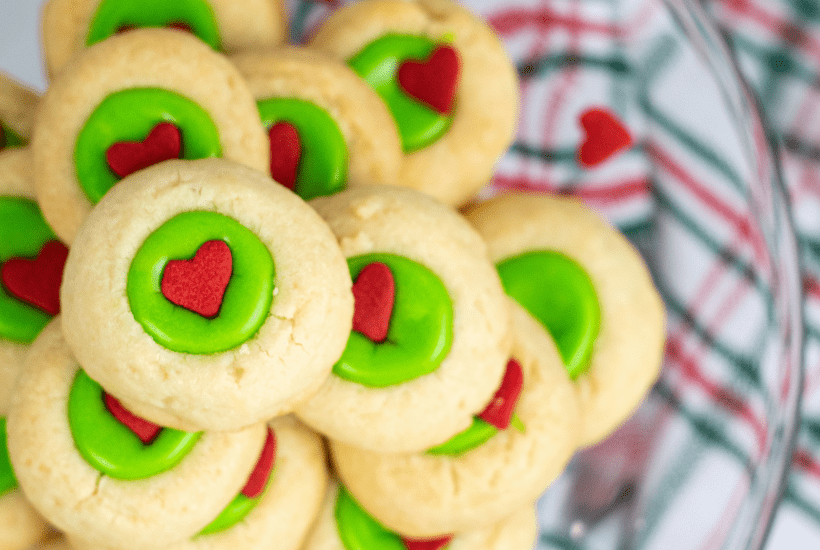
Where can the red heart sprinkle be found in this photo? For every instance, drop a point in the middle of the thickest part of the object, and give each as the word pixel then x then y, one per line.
pixel 261 472
pixel 433 82
pixel 199 284
pixel 427 544
pixel 164 142
pixel 605 136
pixel 285 152
pixel 500 409
pixel 179 25
pixel 145 430
pixel 37 281
pixel 373 295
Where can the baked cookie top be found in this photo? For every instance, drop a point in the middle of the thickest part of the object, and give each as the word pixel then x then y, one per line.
pixel 69 26
pixel 327 128
pixel 206 296
pixel 129 102
pixel 430 334
pixel 590 288
pixel 445 77
pixel 17 107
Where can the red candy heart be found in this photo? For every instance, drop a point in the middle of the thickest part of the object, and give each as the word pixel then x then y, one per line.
pixel 427 544
pixel 179 25
pixel 199 284
pixel 433 82
pixel 285 152
pixel 605 136
pixel 261 472
pixel 37 281
pixel 145 430
pixel 164 142
pixel 500 409
pixel 373 295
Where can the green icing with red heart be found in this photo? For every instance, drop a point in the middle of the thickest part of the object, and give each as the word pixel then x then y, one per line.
pixel 8 481
pixel 497 415
pixel 415 318
pixel 31 270
pixel 135 127
pixel 9 138
pixel 308 151
pixel 113 16
pixel 178 290
pixel 109 444
pixel 557 291
pixel 358 530
pixel 251 494
pixel 417 78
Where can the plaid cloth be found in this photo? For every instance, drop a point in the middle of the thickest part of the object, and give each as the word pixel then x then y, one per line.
pixel 681 470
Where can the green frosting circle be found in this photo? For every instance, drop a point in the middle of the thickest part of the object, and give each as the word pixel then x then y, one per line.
pixel 358 530
pixel 473 437
pixel 130 115
pixel 247 300
pixel 113 15
pixel 22 235
pixel 378 64
pixel 10 138
pixel 323 164
pixel 8 482
pixel 110 447
pixel 420 333
pixel 557 291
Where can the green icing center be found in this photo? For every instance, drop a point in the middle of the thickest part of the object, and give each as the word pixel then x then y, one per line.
pixel 9 138
pixel 378 64
pixel 110 447
pixel 247 299
pixel 7 480
pixel 323 163
pixel 557 291
pixel 360 531
pixel 473 437
pixel 114 15
pixel 22 234
pixel 129 116
pixel 419 335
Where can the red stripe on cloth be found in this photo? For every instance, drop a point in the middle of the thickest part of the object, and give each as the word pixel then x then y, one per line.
pixel 542 19
pixel 805 461
pixel 609 194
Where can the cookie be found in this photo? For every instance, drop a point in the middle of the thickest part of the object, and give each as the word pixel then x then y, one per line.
pixel 588 286
pixel 446 78
pixel 182 100
pixel 327 128
pixel 90 470
pixel 516 447
pixel 343 525
pixel 286 508
pixel 430 334
pixel 206 296
pixel 17 107
pixel 69 26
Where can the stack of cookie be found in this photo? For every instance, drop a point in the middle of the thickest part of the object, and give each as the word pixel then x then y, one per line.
pixel 250 254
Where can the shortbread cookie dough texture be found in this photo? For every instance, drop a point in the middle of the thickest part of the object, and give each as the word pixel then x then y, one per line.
pixel 282 514
pixel 17 107
pixel 131 101
pixel 69 26
pixel 344 525
pixel 446 78
pixel 91 473
pixel 589 287
pixel 327 128
pixel 206 296
pixel 511 454
pixel 431 331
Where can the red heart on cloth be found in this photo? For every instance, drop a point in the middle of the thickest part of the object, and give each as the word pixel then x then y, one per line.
pixel 164 142
pixel 37 281
pixel 261 472
pixel 500 409
pixel 373 295
pixel 145 430
pixel 433 82
pixel 285 152
pixel 427 544
pixel 605 136
pixel 199 284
